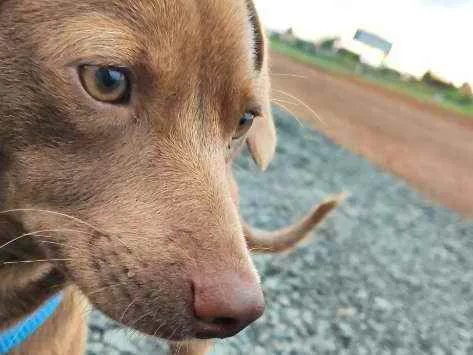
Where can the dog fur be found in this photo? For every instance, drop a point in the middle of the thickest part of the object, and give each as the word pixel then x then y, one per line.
pixel 121 206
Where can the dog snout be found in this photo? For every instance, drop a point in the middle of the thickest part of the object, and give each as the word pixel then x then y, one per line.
pixel 225 305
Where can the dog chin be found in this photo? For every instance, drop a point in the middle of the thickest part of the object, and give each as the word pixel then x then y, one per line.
pixel 173 334
pixel 145 324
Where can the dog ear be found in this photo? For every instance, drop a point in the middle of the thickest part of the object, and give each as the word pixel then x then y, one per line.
pixel 261 139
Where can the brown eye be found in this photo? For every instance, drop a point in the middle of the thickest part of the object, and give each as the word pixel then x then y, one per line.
pixel 106 84
pixel 246 121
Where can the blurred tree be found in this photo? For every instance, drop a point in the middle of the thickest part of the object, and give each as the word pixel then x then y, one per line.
pixel 390 73
pixel 328 43
pixel 432 80
pixel 306 46
pixel 348 55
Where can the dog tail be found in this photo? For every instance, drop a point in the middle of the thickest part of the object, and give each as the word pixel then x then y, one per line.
pixel 288 237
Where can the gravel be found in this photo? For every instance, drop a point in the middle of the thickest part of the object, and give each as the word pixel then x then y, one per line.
pixel 388 273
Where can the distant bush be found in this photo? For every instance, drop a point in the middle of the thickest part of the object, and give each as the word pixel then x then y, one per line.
pixel 412 79
pixel 430 79
pixel 305 46
pixel 390 73
pixel 456 96
pixel 328 43
pixel 344 53
pixel 466 100
pixel 275 35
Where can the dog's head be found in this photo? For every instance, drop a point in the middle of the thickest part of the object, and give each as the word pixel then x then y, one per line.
pixel 118 123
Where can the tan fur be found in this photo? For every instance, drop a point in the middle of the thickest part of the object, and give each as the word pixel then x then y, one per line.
pixel 191 348
pixel 132 203
pixel 64 333
pixel 95 36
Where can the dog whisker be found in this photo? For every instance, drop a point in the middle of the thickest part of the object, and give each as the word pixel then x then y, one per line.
pixel 283 101
pixel 63 215
pixel 289 75
pixel 32 234
pixel 251 250
pixel 53 213
pixel 158 329
pixel 291 112
pixel 126 310
pixel 140 318
pixel 173 332
pixel 34 261
pixel 316 115
pixel 178 347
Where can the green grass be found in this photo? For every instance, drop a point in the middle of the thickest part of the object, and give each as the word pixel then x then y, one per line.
pixel 321 62
pixel 340 65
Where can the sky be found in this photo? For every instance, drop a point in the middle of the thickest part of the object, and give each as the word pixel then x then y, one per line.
pixel 432 35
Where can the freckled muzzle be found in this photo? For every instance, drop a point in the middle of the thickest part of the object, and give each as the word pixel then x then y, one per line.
pixel 204 308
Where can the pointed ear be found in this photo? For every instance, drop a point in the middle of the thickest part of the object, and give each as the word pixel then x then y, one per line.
pixel 261 140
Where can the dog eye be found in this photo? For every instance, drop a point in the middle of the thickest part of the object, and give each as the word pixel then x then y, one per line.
pixel 246 121
pixel 106 84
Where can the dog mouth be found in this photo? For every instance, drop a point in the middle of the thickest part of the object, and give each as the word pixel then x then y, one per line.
pixel 187 330
pixel 212 329
pixel 209 329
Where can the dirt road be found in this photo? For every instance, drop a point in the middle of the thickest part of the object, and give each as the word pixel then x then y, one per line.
pixel 430 148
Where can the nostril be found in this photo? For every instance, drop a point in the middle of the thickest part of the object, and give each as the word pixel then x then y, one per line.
pixel 225 321
pixel 221 321
pixel 220 327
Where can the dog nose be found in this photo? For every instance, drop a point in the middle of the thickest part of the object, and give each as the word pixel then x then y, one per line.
pixel 223 306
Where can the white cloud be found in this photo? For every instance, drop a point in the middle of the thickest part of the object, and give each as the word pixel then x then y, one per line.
pixel 427 34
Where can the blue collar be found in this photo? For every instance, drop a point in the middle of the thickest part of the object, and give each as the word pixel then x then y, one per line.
pixel 16 335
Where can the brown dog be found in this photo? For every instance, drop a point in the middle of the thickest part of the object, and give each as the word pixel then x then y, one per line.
pixel 118 124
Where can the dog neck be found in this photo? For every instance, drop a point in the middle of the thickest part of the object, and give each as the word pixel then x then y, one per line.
pixel 23 287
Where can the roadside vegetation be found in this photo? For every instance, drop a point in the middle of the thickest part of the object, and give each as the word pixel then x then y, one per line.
pixel 324 56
